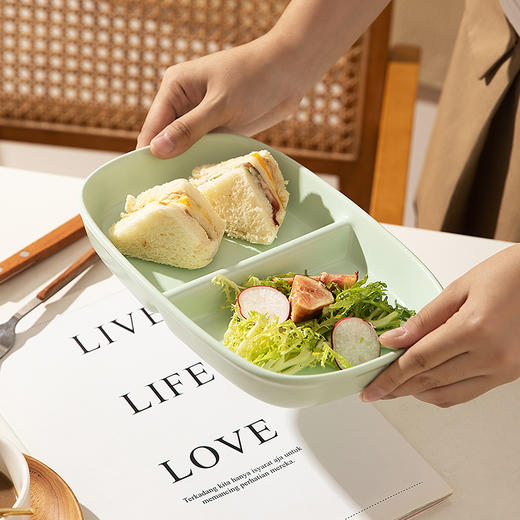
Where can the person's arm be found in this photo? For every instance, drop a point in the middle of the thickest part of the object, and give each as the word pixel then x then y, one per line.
pixel 462 344
pixel 318 32
pixel 251 87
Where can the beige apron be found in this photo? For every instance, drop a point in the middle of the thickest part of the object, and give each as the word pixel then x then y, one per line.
pixel 471 176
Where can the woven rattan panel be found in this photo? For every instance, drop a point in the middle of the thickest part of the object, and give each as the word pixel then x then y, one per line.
pixel 98 63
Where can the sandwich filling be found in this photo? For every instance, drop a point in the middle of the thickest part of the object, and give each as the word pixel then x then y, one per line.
pixel 189 206
pixel 192 210
pixel 257 167
pixel 270 194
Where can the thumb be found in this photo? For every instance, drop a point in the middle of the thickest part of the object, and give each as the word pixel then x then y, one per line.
pixel 178 136
pixel 432 316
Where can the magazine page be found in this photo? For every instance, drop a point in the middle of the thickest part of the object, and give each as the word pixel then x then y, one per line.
pixel 140 427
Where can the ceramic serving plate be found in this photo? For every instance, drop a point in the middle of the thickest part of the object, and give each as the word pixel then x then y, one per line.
pixel 323 231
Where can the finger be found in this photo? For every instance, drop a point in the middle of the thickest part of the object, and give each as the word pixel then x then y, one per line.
pixel 178 136
pixel 434 349
pixel 161 113
pixel 433 315
pixel 456 369
pixel 457 393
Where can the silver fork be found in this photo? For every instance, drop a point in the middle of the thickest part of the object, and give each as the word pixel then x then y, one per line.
pixel 7 329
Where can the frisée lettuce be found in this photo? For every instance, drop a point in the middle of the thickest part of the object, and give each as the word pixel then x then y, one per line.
pixel 281 347
pixel 231 289
pixel 289 347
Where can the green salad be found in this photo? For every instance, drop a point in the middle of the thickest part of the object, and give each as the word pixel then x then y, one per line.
pixel 281 343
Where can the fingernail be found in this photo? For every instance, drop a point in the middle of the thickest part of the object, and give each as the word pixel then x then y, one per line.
pixel 369 395
pixel 392 335
pixel 162 144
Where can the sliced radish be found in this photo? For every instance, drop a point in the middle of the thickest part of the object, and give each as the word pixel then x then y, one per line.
pixel 356 340
pixel 264 300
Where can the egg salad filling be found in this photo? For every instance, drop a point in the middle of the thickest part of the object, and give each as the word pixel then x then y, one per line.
pixel 182 200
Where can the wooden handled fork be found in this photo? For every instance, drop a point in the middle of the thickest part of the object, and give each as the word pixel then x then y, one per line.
pixel 33 253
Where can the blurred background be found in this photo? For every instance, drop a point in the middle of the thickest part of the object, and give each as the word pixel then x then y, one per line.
pixel 430 25
pixel 433 27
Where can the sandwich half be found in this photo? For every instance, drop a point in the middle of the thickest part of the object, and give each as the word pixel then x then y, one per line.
pixel 248 192
pixel 170 224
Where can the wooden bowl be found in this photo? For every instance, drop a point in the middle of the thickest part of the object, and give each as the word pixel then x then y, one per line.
pixel 51 497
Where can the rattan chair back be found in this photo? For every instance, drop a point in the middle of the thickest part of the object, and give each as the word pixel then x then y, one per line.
pixel 84 72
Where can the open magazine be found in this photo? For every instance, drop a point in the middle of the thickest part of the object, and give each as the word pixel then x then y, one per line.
pixel 135 422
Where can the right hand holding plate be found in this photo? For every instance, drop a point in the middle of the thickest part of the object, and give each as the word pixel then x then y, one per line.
pixel 462 344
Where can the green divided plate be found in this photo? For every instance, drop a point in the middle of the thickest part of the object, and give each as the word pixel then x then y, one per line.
pixel 323 231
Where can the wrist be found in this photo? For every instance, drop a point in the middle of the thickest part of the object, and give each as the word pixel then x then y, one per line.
pixel 288 60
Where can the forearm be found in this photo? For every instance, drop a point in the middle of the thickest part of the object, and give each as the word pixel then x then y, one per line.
pixel 313 34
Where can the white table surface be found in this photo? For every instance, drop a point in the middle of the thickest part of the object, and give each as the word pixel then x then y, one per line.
pixel 474 446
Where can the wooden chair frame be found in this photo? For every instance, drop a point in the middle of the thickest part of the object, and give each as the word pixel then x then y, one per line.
pixel 375 179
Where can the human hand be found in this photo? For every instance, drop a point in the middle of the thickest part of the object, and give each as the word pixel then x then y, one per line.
pixel 244 90
pixel 251 87
pixel 462 344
